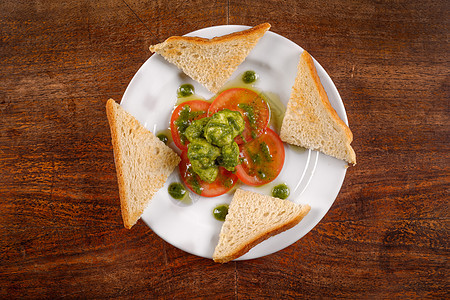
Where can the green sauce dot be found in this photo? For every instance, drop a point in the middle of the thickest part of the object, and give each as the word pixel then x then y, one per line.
pixel 281 191
pixel 220 212
pixel 177 190
pixel 185 90
pixel 163 138
pixel 262 174
pixel 249 77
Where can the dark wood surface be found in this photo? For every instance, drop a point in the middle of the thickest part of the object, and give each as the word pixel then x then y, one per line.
pixel 61 233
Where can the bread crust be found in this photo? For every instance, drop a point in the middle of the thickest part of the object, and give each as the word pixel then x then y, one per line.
pixel 276 230
pixel 258 29
pixel 110 113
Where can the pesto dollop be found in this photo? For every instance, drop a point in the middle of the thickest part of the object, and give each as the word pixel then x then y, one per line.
pixel 220 212
pixel 177 190
pixel 249 77
pixel 223 127
pixel 202 156
pixel 163 138
pixel 212 143
pixel 185 90
pixel 281 191
pixel 229 157
pixel 195 130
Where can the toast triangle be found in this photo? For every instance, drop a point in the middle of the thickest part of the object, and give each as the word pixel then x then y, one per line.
pixel 143 162
pixel 210 61
pixel 310 121
pixel 253 218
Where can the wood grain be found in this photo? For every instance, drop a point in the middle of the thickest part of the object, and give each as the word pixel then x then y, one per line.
pixel 61 233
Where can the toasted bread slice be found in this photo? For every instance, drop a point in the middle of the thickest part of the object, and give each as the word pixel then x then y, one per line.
pixel 310 120
pixel 143 162
pixel 210 61
pixel 253 218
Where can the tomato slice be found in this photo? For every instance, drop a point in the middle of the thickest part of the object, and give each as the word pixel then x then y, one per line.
pixel 262 159
pixel 182 117
pixel 253 108
pixel 225 181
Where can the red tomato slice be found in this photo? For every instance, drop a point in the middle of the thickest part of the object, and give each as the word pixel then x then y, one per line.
pixel 253 108
pixel 262 159
pixel 225 180
pixel 177 127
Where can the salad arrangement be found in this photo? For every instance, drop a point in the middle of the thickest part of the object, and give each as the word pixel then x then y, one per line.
pixel 226 140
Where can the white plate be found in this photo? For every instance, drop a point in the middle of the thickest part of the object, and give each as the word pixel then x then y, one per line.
pixel 313 178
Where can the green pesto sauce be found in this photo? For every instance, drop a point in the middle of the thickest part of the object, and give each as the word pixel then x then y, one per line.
pixel 183 122
pixel 255 157
pixel 177 190
pixel 249 112
pixel 229 157
pixel 261 174
pixel 228 182
pixel 260 156
pixel 220 212
pixel 222 131
pixel 202 156
pixel 185 119
pixel 281 191
pixel 191 179
pixel 185 90
pixel 163 138
pixel 223 127
pixel 249 77
pixel 265 151
pixel 195 130
pixel 212 143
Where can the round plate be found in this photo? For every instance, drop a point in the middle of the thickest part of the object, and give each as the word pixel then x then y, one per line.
pixel 313 178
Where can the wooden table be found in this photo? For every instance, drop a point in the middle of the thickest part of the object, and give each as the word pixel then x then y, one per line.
pixel 61 233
